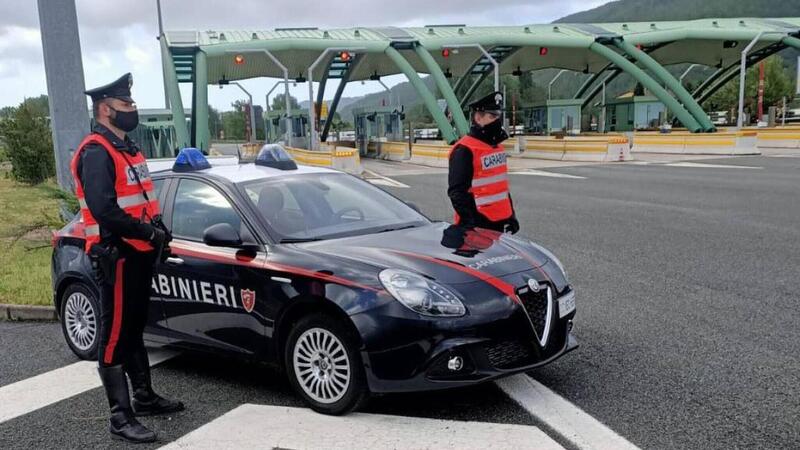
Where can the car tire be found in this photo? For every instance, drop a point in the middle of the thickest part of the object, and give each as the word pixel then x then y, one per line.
pixel 80 320
pixel 324 365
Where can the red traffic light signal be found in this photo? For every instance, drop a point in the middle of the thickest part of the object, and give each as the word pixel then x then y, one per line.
pixel 345 56
pixel 446 53
pixel 543 51
pixel 238 60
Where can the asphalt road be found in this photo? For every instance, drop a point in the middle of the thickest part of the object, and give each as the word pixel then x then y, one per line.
pixel 687 281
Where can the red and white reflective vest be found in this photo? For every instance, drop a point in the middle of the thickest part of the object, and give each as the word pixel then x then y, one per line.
pixel 489 179
pixel 130 195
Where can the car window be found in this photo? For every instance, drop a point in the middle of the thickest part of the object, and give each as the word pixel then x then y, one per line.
pixel 198 206
pixel 321 206
pixel 157 186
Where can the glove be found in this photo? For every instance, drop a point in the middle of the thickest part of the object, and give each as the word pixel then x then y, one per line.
pixel 159 238
pixel 512 226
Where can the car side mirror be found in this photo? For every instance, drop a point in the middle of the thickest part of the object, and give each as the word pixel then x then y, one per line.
pixel 222 235
pixel 414 207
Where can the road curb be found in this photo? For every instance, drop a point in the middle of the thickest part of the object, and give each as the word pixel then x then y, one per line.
pixel 27 312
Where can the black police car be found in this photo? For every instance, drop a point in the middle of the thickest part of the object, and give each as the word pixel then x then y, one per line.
pixel 352 291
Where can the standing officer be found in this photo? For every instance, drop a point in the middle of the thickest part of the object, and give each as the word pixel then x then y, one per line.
pixel 124 237
pixel 478 175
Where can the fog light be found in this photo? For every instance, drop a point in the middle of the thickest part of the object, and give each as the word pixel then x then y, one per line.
pixel 455 363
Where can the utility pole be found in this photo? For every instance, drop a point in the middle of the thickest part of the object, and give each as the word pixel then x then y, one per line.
pixel 69 116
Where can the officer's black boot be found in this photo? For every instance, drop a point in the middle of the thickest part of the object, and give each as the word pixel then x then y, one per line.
pixel 145 401
pixel 123 424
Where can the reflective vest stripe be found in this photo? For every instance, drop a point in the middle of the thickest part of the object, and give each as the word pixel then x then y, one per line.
pixel 92 230
pixel 481 201
pixel 478 182
pixel 124 202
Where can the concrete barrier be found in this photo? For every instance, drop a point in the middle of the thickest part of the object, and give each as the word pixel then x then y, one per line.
pixel 339 158
pixel 576 148
pixel 741 142
pixel 392 151
pixel 434 154
pixel 779 137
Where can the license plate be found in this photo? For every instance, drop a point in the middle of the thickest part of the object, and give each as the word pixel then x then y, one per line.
pixel 566 304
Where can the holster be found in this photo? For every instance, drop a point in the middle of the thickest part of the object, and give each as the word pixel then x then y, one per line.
pixel 104 261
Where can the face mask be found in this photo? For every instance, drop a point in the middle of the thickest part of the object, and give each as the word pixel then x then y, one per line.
pixel 493 133
pixel 126 121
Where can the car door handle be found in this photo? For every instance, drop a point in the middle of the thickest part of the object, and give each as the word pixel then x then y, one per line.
pixel 173 261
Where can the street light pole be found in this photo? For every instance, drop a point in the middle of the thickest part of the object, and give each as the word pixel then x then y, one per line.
pixel 550 85
pixel 388 91
pixel 742 75
pixel 686 72
pixel 488 56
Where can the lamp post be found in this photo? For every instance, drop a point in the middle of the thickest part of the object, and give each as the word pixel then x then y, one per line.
pixel 252 112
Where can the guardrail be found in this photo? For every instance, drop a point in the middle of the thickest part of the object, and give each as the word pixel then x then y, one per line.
pixel 392 151
pixel 779 137
pixel 431 154
pixel 741 142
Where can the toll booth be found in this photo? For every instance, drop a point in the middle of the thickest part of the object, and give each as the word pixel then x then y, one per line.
pixel 633 112
pixel 377 124
pixel 275 126
pixel 553 116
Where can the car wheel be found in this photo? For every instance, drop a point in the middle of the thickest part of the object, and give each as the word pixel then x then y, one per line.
pixel 80 320
pixel 324 365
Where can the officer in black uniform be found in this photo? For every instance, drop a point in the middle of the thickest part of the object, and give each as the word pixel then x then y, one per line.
pixel 486 126
pixel 115 115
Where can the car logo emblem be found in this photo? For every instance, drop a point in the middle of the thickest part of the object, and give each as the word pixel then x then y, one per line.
pixel 534 285
pixel 248 299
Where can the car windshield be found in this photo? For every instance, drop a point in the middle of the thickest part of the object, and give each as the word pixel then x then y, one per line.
pixel 309 207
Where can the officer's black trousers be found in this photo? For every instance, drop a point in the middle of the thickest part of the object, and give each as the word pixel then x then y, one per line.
pixel 124 303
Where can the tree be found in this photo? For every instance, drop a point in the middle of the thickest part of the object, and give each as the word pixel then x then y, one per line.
pixel 214 122
pixel 28 141
pixel 278 102
pixel 777 84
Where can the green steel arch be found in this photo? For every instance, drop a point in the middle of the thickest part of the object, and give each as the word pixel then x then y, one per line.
pixel 207 57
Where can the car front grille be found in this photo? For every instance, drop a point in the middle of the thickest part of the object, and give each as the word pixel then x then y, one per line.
pixel 536 304
pixel 508 354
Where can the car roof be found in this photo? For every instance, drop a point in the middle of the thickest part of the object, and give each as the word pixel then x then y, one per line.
pixel 229 168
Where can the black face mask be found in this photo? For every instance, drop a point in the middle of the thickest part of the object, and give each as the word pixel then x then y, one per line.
pixel 126 121
pixel 492 133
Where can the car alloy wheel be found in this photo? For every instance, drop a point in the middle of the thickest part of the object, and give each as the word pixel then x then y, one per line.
pixel 321 365
pixel 80 320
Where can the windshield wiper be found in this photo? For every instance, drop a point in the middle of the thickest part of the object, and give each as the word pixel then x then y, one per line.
pixel 298 240
pixel 404 227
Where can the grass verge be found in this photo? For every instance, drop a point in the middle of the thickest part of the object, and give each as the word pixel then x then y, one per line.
pixel 28 214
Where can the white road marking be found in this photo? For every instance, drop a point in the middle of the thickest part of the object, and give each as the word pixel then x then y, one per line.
pixel 262 426
pixel 569 421
pixel 542 173
pixel 383 180
pixel 783 156
pixel 28 395
pixel 709 166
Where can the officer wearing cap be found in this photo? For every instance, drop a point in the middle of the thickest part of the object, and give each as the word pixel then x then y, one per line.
pixel 124 237
pixel 478 176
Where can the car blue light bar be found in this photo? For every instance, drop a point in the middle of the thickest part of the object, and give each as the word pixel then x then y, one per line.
pixel 275 156
pixel 190 159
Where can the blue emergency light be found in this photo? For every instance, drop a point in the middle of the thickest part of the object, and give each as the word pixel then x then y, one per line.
pixel 190 159
pixel 275 156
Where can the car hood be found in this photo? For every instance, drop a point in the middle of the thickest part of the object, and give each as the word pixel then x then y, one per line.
pixel 447 253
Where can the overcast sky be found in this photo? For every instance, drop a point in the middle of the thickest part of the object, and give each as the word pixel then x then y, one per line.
pixel 119 36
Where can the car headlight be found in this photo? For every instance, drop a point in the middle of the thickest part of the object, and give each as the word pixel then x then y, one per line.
pixel 421 295
pixel 551 257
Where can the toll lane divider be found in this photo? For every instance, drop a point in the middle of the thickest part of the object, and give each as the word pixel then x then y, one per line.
pixel 779 137
pixel 339 158
pixel 389 150
pixel 601 148
pixel 742 142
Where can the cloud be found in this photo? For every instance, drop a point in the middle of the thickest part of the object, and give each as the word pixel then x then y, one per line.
pixel 119 36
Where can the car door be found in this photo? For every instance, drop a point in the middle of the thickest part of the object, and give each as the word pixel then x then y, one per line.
pixel 156 318
pixel 212 296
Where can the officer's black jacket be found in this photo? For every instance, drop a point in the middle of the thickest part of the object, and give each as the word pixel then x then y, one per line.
pixel 98 176
pixel 459 181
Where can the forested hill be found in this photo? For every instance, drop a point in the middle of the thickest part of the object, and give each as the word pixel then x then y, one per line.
pixel 662 10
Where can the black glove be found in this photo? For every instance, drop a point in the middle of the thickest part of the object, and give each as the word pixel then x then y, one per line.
pixel 158 223
pixel 512 226
pixel 159 238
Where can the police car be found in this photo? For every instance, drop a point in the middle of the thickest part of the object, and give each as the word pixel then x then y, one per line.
pixel 350 290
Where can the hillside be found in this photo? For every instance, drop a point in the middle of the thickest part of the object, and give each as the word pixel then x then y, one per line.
pixel 660 10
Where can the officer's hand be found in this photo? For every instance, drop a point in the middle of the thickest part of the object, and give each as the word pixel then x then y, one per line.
pixel 159 238
pixel 512 226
